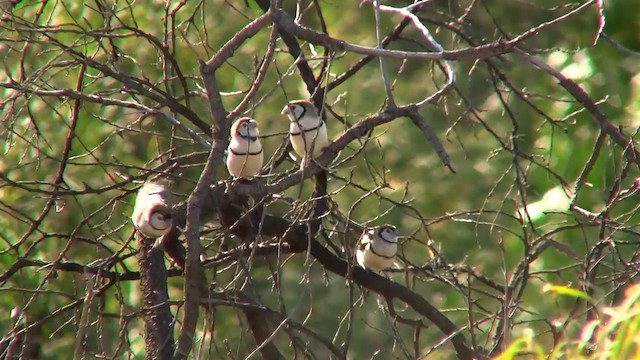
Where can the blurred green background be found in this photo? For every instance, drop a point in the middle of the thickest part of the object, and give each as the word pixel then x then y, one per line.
pixel 470 217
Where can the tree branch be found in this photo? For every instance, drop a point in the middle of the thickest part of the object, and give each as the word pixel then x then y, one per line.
pixel 158 321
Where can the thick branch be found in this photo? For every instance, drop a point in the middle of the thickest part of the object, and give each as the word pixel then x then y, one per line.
pixel 158 322
pixel 232 45
pixel 194 274
pixel 297 238
pixel 262 333
pixel 392 290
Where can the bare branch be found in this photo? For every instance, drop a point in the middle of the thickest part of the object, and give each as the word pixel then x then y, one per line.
pixel 158 321
pixel 579 94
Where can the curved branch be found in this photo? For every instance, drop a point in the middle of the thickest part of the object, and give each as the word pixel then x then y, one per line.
pixel 579 94
pixel 480 52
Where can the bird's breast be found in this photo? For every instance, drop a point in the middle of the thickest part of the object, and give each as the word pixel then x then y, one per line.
pixel 383 248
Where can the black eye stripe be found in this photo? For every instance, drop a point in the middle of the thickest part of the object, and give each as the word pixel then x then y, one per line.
pixel 385 229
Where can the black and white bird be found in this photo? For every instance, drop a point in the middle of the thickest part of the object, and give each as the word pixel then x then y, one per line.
pixel 245 157
pixel 152 214
pixel 377 248
pixel 308 132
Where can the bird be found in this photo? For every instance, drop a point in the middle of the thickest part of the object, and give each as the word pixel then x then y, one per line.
pixel 152 214
pixel 377 248
pixel 307 131
pixel 245 156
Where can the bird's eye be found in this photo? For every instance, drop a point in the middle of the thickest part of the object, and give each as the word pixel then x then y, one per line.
pixel 245 125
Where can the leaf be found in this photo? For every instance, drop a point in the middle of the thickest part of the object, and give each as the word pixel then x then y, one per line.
pixel 565 290
pixel 587 333
pixel 516 348
pixel 555 199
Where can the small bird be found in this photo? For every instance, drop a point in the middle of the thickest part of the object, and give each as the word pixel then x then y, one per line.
pixel 245 155
pixel 152 212
pixel 377 248
pixel 308 132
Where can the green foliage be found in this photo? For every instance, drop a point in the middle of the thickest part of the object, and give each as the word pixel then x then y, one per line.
pixel 613 336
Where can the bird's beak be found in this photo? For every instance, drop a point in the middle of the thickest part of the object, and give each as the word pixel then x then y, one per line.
pixel 286 110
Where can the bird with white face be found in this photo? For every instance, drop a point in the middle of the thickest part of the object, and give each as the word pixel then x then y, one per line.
pixel 245 155
pixel 152 211
pixel 307 131
pixel 377 248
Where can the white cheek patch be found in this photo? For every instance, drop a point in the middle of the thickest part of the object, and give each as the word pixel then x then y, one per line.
pixel 388 236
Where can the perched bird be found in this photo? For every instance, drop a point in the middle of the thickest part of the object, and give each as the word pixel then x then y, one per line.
pixel 245 151
pixel 377 248
pixel 308 132
pixel 152 211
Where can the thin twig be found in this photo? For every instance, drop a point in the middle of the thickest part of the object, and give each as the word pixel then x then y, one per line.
pixel 385 78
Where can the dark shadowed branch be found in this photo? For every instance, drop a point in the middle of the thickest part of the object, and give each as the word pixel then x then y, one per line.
pixel 158 321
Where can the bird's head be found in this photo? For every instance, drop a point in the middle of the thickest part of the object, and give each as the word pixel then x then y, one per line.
pixel 160 218
pixel 298 109
pixel 388 233
pixel 245 128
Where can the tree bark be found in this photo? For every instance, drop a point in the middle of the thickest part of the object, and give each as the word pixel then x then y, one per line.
pixel 158 321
